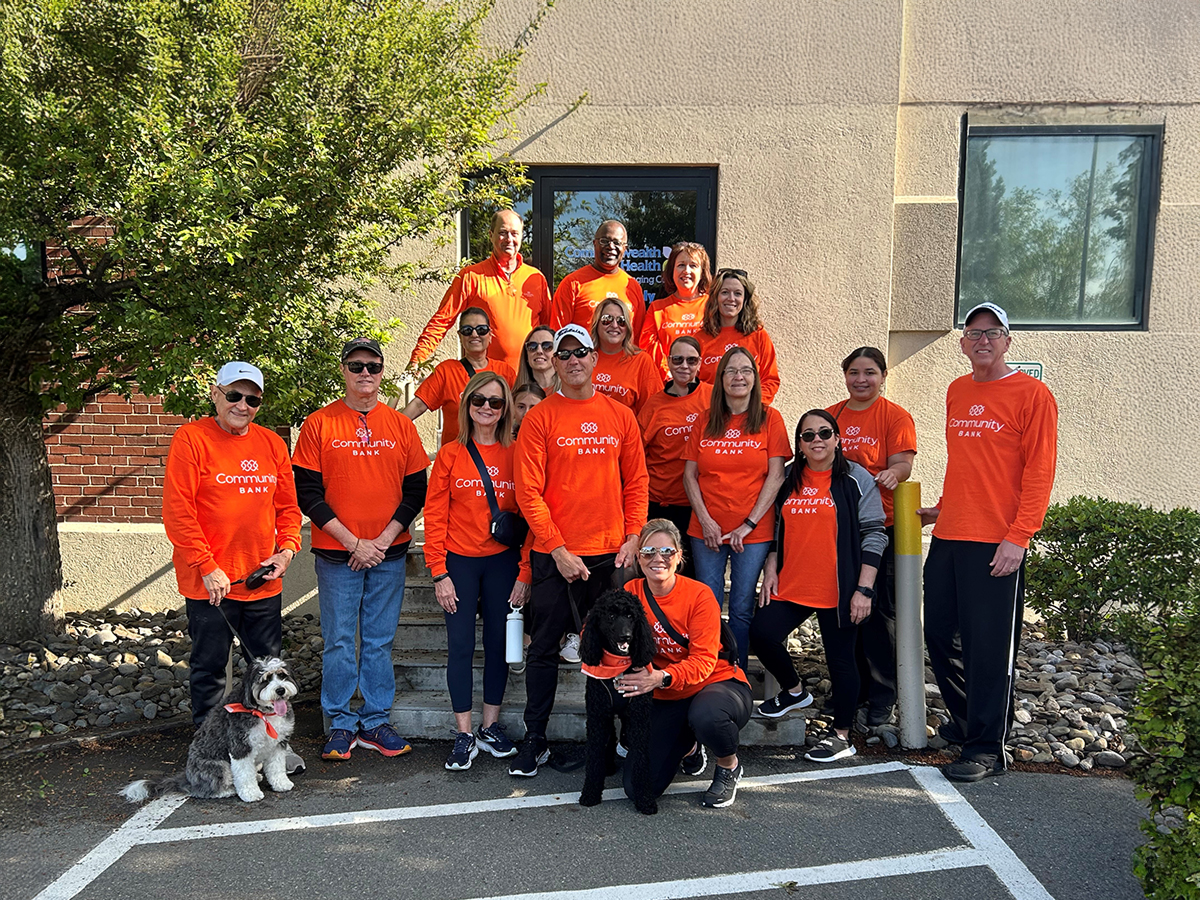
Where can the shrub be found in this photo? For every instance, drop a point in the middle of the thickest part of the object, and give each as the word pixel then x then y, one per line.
pixel 1102 568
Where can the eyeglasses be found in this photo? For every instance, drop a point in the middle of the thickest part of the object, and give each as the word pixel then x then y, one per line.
pixel 477 400
pixel 578 353
pixel 993 334
pixel 823 433
pixel 358 365
pixel 468 330
pixel 742 273
pixel 610 242
pixel 533 346
pixel 744 371
pixel 685 360
pixel 664 552
pixel 608 319
pixel 253 401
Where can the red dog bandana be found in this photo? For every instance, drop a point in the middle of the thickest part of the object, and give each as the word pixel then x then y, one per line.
pixel 238 708
pixel 610 666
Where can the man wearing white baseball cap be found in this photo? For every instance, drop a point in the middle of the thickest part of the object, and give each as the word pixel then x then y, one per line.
pixel 582 486
pixel 1001 449
pixel 229 508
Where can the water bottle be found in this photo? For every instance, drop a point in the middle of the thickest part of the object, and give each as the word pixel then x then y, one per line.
pixel 514 637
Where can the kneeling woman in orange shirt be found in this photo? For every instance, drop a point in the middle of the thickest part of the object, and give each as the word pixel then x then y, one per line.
pixel 701 697
pixel 471 570
pixel 731 320
pixel 624 372
pixel 828 539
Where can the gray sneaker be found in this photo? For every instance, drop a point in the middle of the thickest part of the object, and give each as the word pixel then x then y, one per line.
pixel 295 763
pixel 723 788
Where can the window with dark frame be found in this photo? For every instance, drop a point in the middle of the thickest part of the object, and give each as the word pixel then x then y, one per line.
pixel 564 205
pixel 1056 223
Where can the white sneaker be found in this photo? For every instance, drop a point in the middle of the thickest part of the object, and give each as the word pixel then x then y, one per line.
pixel 570 650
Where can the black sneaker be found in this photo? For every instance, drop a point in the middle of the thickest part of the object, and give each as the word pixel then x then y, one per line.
pixel 783 703
pixel 695 762
pixel 830 749
pixel 723 788
pixel 495 741
pixel 973 769
pixel 534 752
pixel 465 750
pixel 878 717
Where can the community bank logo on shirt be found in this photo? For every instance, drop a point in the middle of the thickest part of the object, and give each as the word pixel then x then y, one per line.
pixel 677 430
pixel 974 425
pixel 852 431
pixel 247 482
pixel 603 376
pixel 493 470
pixel 713 360
pixel 664 642
pixel 687 317
pixel 732 434
pixel 732 444
pixel 809 492
pixel 806 504
pixel 365 445
pixel 977 409
pixel 591 441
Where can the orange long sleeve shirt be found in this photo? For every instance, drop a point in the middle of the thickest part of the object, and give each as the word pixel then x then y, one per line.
pixel 629 380
pixel 443 388
pixel 578 295
pixel 760 347
pixel 228 502
pixel 871 435
pixel 457 515
pixel 666 421
pixel 515 303
pixel 581 475
pixel 696 615
pixel 668 318
pixel 1001 453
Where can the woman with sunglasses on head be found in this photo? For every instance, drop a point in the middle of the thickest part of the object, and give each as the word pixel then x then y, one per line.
pixel 443 387
pixel 666 420
pixel 623 372
pixel 828 527
pixel 733 468
pixel 701 697
pixel 731 319
pixel 537 360
pixel 472 572
pixel 881 437
pixel 686 279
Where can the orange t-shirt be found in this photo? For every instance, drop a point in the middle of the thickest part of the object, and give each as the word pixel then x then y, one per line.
pixel 871 435
pixel 808 558
pixel 363 459
pixel 514 303
pixel 693 611
pixel 629 380
pixel 578 295
pixel 581 474
pixel 228 502
pixel 760 347
pixel 666 421
pixel 668 318
pixel 1001 451
pixel 458 518
pixel 443 389
pixel 733 469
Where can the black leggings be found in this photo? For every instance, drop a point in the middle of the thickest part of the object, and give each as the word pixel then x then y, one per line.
pixel 258 622
pixel 481 583
pixel 769 631
pixel 714 716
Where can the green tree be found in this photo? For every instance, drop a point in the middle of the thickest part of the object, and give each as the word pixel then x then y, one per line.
pixel 258 163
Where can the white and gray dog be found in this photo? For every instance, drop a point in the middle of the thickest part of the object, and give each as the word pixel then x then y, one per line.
pixel 234 740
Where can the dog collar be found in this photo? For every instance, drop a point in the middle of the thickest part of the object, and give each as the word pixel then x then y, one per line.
pixel 610 666
pixel 239 708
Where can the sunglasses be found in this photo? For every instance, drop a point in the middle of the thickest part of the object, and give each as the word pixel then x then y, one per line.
pixel 252 401
pixel 664 552
pixel 468 330
pixel 358 365
pixel 685 360
pixel 477 400
pixel 721 273
pixel 609 319
pixel 578 353
pixel 533 346
pixel 823 433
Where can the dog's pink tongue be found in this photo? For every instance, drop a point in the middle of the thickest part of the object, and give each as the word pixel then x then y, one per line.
pixel 280 707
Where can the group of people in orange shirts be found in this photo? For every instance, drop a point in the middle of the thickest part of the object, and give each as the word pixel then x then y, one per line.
pixel 608 451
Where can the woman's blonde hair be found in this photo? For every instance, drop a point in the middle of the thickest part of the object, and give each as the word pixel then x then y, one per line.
pixel 628 345
pixel 466 425
pixel 748 320
pixel 667 527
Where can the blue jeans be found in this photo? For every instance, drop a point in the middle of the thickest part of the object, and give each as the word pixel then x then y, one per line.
pixel 367 602
pixel 744 569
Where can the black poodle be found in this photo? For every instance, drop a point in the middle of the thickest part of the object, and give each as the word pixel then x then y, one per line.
pixel 616 637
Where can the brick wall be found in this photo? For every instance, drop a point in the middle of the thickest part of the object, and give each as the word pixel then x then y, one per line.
pixel 108 460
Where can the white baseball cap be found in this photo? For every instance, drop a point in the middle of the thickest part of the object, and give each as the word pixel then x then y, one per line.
pixel 990 307
pixel 239 371
pixel 573 330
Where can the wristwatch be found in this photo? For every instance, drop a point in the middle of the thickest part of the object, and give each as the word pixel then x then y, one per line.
pixel 442 577
pixel 749 523
pixel 868 592
pixel 666 682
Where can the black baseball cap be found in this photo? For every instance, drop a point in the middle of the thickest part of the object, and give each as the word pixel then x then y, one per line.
pixel 362 343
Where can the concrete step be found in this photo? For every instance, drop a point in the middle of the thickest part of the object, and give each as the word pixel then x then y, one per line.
pixel 425 670
pixel 427 714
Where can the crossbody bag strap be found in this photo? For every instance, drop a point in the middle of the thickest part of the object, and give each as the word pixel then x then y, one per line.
pixel 470 368
pixel 663 620
pixel 841 409
pixel 485 478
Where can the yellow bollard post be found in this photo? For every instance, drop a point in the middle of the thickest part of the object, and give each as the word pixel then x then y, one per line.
pixel 910 637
